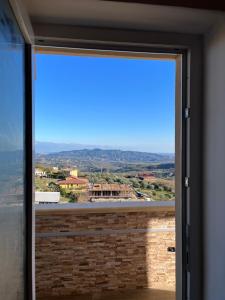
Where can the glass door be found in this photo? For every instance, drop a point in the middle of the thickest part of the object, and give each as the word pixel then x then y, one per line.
pixel 12 161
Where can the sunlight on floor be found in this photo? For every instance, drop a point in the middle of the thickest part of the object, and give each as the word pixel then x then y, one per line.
pixel 129 295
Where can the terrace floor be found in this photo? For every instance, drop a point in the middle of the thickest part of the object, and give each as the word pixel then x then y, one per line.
pixel 149 294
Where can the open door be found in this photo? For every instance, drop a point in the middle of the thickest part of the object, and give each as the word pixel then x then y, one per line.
pixel 15 159
pixel 12 156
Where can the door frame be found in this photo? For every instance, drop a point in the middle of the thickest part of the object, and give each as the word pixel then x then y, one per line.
pixel 187 258
pixel 189 127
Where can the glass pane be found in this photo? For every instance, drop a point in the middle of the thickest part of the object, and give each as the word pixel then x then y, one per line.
pixel 11 156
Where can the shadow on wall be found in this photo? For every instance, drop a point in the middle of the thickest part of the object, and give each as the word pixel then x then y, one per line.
pixel 93 254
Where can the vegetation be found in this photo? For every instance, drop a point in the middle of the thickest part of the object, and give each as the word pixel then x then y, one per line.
pixel 42 184
pixel 110 166
pixel 49 185
pixel 112 161
pixel 110 155
pixel 157 189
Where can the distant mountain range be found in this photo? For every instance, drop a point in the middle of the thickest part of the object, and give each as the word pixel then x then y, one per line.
pixel 50 147
pixel 104 156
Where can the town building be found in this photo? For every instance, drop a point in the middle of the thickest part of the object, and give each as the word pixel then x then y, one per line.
pixel 40 173
pixel 111 192
pixel 74 173
pixel 146 176
pixel 47 197
pixel 74 184
pixel 56 169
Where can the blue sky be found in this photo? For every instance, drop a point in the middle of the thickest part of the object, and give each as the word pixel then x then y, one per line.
pixel 114 102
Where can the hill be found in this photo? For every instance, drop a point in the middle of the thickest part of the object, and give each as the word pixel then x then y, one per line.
pixel 93 159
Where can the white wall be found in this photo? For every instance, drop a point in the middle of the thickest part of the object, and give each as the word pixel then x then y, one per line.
pixel 214 164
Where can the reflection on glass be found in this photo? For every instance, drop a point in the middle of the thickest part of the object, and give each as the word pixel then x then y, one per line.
pixel 11 156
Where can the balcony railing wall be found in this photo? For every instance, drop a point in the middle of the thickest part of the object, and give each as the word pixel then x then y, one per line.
pixel 99 248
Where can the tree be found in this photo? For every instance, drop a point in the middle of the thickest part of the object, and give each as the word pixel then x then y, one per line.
pixel 167 189
pixel 161 188
pixel 72 197
pixel 110 180
pixel 156 186
pixel 63 192
pixel 122 180
pixel 135 183
pixel 151 186
pixel 144 184
pixel 54 187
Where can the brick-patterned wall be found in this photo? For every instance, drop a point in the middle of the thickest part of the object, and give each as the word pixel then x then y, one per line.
pixel 87 253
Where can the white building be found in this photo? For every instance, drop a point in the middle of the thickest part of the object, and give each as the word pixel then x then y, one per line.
pixel 47 197
pixel 40 173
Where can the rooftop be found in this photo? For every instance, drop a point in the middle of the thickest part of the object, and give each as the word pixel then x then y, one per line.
pixel 72 180
pixel 111 187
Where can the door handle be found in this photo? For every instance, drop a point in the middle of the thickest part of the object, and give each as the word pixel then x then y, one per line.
pixel 171 249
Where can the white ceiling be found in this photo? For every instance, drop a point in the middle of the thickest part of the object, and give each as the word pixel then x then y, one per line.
pixel 99 13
